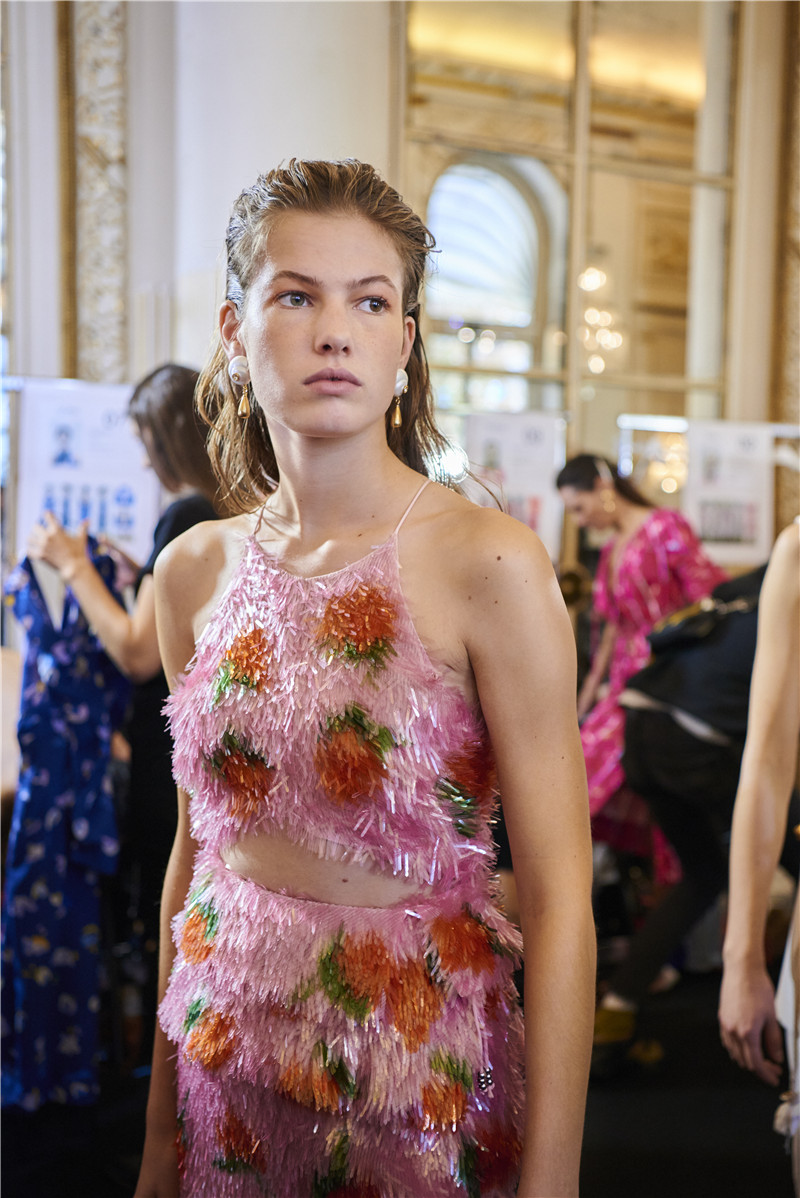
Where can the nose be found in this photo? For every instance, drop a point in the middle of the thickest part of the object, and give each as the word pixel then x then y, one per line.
pixel 333 334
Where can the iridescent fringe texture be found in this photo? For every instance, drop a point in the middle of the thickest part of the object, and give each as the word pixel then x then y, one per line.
pixel 312 708
pixel 329 1050
pixel 343 1050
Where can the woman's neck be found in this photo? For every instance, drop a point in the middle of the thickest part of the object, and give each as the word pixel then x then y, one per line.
pixel 322 495
pixel 629 517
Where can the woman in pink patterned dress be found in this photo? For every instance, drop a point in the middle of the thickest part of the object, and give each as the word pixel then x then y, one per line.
pixel 652 566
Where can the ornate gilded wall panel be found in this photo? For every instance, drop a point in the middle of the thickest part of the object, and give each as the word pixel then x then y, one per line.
pixel 98 218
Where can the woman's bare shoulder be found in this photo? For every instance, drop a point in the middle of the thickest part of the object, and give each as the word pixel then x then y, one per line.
pixel 202 547
pixel 478 539
pixel 193 571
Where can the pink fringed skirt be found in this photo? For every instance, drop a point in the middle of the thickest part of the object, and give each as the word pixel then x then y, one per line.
pixel 344 1052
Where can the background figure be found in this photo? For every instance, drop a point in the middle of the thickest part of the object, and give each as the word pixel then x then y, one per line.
pixel 173 436
pixel 652 566
pixel 747 1011
pixel 684 735
pixel 63 839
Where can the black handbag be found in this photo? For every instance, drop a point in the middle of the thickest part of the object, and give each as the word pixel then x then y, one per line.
pixel 695 622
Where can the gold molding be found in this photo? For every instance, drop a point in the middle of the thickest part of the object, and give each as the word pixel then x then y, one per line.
pixel 67 189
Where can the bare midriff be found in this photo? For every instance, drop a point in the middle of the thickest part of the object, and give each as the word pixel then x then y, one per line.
pixel 282 865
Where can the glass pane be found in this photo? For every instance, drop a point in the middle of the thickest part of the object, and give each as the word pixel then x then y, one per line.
pixel 653 291
pixel 661 81
pixel 457 392
pixel 488 262
pixel 491 71
pixel 650 412
pixel 496 297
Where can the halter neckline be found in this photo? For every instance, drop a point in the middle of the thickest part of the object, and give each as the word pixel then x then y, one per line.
pixel 390 540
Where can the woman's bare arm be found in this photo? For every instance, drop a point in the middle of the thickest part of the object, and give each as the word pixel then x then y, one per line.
pixel 522 651
pixel 129 639
pixel 176 592
pixel 748 1025
pixel 598 670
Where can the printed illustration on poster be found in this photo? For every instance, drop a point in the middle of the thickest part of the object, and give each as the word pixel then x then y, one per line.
pixel 518 456
pixel 79 458
pixel 729 492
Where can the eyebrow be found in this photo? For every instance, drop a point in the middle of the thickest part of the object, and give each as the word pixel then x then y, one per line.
pixel 353 285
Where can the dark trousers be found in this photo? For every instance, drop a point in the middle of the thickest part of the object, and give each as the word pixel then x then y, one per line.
pixel 690 787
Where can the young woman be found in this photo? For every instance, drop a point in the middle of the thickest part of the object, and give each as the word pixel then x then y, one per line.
pixel 357 656
pixel 652 565
pixel 750 1014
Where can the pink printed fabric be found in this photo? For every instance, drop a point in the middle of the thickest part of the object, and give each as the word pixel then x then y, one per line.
pixel 328 1050
pixel 662 568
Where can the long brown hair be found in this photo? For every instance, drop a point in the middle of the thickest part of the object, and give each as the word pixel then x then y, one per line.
pixel 163 405
pixel 241 452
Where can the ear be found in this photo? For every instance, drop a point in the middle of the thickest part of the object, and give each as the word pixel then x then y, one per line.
pixel 229 330
pixel 409 333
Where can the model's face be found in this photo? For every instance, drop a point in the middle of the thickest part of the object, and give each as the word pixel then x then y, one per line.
pixel 323 328
pixel 586 507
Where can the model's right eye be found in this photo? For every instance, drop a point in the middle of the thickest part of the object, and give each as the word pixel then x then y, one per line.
pixel 293 299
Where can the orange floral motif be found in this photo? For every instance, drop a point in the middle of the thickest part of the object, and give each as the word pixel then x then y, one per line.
pixel 212 1040
pixel 414 1002
pixel 359 626
pixel 472 767
pixel 497 1157
pixel 365 966
pixel 444 1105
pixel 196 943
pixel 241 1148
pixel 350 757
pixel 467 784
pixel 311 1086
pixel 494 1005
pixel 247 662
pixel 247 774
pixel 181 1143
pixel 462 943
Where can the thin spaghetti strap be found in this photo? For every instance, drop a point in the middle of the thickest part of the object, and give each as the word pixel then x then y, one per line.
pixel 407 512
pixel 262 511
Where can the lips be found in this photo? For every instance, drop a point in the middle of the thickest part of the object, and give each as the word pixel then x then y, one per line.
pixel 331 375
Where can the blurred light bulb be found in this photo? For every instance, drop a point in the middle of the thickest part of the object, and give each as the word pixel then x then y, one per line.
pixel 597 364
pixel 591 278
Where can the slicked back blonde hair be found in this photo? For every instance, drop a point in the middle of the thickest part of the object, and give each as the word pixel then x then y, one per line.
pixel 241 452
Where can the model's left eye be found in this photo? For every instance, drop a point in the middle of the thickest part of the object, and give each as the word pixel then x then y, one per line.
pixel 374 303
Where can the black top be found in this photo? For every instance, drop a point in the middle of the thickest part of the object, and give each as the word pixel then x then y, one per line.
pixel 153 808
pixel 710 678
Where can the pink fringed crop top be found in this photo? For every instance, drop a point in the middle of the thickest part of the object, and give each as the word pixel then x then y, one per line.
pixel 312 709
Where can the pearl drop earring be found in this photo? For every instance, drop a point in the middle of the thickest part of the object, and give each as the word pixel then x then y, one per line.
pixel 240 376
pixel 400 388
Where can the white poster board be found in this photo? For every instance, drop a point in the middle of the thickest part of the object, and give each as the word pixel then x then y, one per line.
pixel 79 457
pixel 729 492
pixel 518 455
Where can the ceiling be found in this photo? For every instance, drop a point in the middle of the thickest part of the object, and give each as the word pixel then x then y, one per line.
pixel 651 47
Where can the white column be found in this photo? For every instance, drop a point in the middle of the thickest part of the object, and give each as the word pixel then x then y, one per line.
pixel 258 84
pixel 32 152
pixel 755 214
pixel 707 253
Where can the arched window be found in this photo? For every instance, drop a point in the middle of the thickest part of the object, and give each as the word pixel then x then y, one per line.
pixel 489 307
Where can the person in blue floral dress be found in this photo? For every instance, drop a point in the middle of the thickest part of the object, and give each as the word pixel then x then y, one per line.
pixel 63 839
